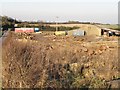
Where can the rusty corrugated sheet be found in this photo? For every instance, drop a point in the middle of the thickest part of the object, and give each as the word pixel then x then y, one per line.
pixel 30 30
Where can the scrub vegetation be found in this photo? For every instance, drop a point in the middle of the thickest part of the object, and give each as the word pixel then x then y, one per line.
pixel 49 61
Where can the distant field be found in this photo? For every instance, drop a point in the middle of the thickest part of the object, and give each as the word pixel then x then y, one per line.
pixel 111 26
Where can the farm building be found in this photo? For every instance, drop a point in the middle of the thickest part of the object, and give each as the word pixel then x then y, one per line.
pixel 110 32
pixel 26 30
pixel 88 28
pixel 91 30
pixel 77 32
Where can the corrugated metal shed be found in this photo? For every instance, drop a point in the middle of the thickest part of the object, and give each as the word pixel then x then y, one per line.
pixel 77 32
pixel 27 30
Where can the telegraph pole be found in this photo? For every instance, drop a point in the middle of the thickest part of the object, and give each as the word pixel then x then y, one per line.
pixel 56 23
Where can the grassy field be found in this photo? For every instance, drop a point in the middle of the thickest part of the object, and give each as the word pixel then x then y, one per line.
pixel 111 26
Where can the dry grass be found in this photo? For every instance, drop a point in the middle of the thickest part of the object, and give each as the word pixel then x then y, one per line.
pixel 47 63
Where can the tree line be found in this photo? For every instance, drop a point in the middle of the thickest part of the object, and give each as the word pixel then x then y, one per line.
pixel 8 22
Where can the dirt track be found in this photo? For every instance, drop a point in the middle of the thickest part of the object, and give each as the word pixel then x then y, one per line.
pixel 60 61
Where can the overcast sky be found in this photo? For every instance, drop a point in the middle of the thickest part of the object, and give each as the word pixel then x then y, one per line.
pixel 101 11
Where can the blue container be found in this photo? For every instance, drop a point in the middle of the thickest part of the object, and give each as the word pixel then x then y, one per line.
pixel 79 33
pixel 36 29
